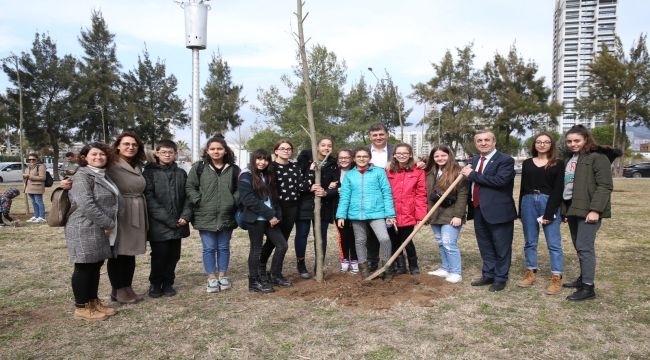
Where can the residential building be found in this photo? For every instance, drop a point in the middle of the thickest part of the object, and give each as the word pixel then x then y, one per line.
pixel 579 29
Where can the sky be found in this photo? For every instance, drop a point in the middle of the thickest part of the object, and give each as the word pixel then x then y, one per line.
pixel 401 37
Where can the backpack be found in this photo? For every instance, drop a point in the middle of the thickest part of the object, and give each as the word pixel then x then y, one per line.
pixel 49 180
pixel 61 208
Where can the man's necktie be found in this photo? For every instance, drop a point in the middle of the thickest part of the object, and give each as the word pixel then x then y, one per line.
pixel 475 197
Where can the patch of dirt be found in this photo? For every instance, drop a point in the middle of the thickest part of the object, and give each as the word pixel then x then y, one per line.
pixel 352 290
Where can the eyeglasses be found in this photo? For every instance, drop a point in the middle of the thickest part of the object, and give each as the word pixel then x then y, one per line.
pixel 344 158
pixel 285 149
pixel 166 153
pixel 133 145
pixel 402 154
pixel 362 157
pixel 543 142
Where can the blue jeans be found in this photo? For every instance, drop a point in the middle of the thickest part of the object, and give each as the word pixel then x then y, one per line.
pixel 215 242
pixel 37 204
pixel 447 238
pixel 302 235
pixel 532 207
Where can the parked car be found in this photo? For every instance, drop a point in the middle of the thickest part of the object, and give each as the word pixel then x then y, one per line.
pixel 637 170
pixel 10 171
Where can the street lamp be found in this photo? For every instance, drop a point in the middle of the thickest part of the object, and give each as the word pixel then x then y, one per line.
pixel 20 118
pixel 397 105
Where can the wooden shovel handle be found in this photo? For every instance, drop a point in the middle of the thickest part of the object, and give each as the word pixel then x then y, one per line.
pixel 417 228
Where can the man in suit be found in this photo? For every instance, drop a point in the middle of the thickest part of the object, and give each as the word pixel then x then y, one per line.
pixel 492 206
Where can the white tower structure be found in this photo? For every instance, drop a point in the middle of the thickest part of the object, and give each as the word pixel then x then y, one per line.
pixel 579 29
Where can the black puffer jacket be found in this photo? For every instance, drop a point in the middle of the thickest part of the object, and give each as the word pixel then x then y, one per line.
pixel 166 201
pixel 329 174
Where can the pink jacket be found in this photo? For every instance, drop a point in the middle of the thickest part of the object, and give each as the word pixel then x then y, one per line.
pixel 409 195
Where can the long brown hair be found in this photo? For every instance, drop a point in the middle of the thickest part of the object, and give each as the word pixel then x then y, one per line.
pixel 262 188
pixel 394 164
pixel 553 152
pixel 590 142
pixel 450 170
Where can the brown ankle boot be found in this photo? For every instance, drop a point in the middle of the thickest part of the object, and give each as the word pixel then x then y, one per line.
pixel 555 286
pixel 124 296
pixel 364 270
pixel 528 280
pixel 88 312
pixel 99 306
pixel 135 295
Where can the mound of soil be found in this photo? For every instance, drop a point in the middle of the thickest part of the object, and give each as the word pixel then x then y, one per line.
pixel 352 290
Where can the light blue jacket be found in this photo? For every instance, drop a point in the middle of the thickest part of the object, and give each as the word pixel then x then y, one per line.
pixel 365 196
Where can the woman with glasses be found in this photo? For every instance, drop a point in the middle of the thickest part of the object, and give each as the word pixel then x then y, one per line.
pixel 169 215
pixel 540 196
pixel 291 184
pixel 34 178
pixel 212 188
pixel 131 240
pixel 408 185
pixel 366 201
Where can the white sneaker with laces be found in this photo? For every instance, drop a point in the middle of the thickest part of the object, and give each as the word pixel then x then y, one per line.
pixel 40 220
pixel 354 265
pixel 224 283
pixel 32 219
pixel 213 286
pixel 345 266
pixel 454 278
pixel 440 272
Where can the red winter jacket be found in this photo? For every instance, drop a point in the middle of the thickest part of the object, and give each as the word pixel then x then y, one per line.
pixel 409 195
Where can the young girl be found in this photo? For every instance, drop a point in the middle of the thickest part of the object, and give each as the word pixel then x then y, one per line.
pixel 366 201
pixel 291 184
pixel 446 223
pixel 326 190
pixel 212 189
pixel 542 183
pixel 262 213
pixel 408 186
pixel 169 215
pixel 587 198
pixel 347 251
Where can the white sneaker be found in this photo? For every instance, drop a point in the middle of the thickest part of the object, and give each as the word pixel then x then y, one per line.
pixel 40 220
pixel 213 286
pixel 354 265
pixel 32 219
pixel 345 266
pixel 440 272
pixel 224 283
pixel 454 278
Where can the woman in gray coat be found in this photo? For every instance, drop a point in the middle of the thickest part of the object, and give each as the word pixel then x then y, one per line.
pixel 91 229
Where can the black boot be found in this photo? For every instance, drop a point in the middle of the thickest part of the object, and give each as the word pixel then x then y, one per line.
pixel 278 279
pixel 576 284
pixel 585 292
pixel 256 285
pixel 400 265
pixel 302 269
pixel 413 265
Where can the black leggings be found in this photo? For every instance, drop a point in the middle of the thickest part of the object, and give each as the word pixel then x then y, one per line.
pixel 398 238
pixel 256 232
pixel 85 281
pixel 121 270
pixel 289 215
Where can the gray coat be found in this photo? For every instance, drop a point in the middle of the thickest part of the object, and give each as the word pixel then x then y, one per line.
pixel 132 217
pixel 96 210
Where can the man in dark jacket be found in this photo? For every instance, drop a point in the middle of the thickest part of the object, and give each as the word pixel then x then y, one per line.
pixel 169 216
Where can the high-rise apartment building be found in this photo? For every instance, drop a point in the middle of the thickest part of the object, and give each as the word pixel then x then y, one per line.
pixel 579 29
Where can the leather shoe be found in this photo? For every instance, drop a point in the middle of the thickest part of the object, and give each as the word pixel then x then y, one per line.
pixel 482 281
pixel 278 279
pixel 123 296
pixel 497 286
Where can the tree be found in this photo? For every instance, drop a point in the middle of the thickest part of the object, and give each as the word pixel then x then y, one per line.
pixel 387 106
pixel 357 113
pixel 619 88
pixel 453 93
pixel 47 83
pixel 515 99
pixel 222 100
pixel 149 95
pixel 99 108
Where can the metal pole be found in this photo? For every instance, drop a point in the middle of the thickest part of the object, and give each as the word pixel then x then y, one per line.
pixel 196 106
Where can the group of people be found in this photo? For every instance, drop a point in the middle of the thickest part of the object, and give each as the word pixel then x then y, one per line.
pixel 375 195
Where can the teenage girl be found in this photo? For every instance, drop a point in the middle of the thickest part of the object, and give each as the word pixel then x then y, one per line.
pixel 347 251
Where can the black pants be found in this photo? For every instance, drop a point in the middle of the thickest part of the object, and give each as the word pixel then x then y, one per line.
pixel 164 257
pixel 256 232
pixel 289 215
pixel 85 281
pixel 347 249
pixel 121 270
pixel 397 238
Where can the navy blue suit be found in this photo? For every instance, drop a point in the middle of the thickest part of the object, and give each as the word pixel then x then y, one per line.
pixel 494 218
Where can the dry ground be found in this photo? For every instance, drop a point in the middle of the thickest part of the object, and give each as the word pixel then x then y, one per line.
pixel 418 317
